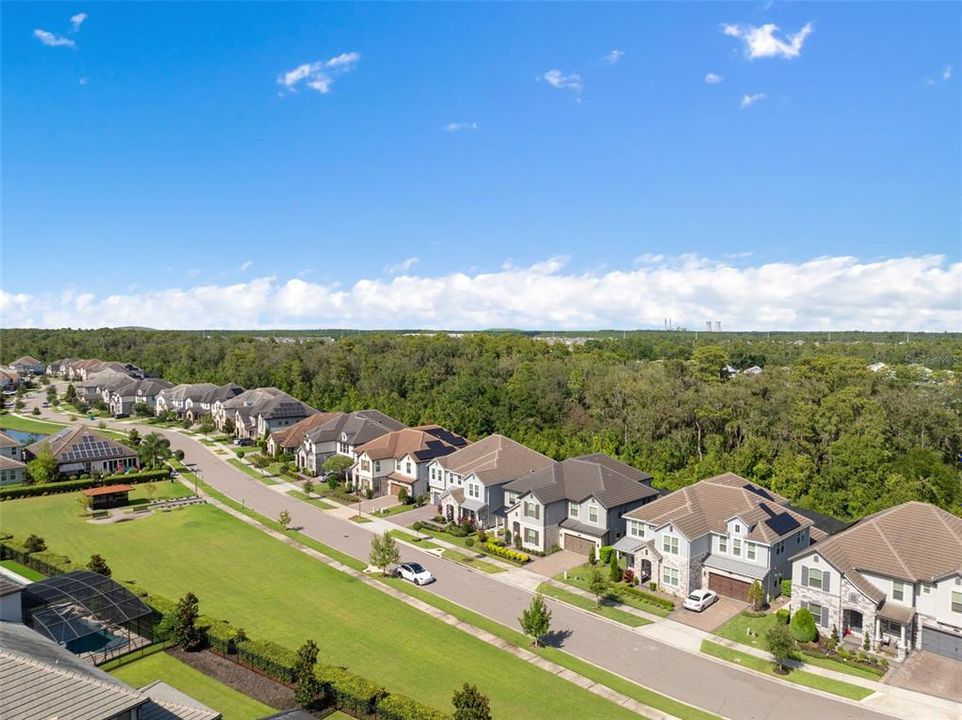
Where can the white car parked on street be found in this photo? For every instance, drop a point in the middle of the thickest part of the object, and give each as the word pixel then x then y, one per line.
pixel 698 600
pixel 414 572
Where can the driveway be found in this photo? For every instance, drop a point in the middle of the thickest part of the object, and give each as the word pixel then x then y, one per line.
pixel 556 563
pixel 929 673
pixel 425 512
pixel 718 614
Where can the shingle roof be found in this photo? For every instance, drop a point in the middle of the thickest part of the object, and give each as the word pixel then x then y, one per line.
pixel 26 360
pixel 9 463
pixel 193 391
pixel 169 703
pixel 914 541
pixel 360 426
pixel 610 482
pixel 81 444
pixel 425 442
pixel 495 460
pixel 7 441
pixel 709 504
pixel 293 436
pixel 146 387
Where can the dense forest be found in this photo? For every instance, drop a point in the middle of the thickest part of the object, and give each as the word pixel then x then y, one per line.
pixel 816 425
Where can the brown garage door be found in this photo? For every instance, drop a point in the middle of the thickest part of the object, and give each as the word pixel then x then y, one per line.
pixel 577 544
pixel 729 587
pixel 395 489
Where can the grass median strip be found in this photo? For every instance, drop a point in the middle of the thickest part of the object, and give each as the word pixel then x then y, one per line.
pixel 313 501
pixel 625 618
pixel 407 537
pixel 256 474
pixel 360 519
pixel 799 677
pixel 463 559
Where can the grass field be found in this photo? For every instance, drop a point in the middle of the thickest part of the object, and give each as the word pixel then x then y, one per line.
pixel 275 592
pixel 161 666
pixel 612 613
pixel 22 570
pixel 799 677
pixel 41 427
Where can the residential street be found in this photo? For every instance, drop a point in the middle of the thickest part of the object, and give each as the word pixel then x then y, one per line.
pixel 690 677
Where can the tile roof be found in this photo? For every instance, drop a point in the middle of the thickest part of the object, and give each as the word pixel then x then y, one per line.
pixel 709 504
pixel 81 444
pixel 9 463
pixel 495 460
pixel 7 441
pixel 26 360
pixel 609 481
pixel 360 426
pixel 425 442
pixel 107 490
pixel 293 436
pixel 180 393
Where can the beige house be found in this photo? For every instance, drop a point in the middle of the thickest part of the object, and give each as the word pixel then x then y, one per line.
pixel 342 435
pixel 399 460
pixel 896 575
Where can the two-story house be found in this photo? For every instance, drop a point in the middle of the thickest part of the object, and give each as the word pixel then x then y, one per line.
pixel 257 412
pixel 470 482
pixel 28 365
pixel 576 504
pixel 290 439
pixel 342 435
pixel 399 460
pixel 12 469
pixel 197 406
pixel 722 533
pixel 896 575
pixel 122 400
pixel 173 399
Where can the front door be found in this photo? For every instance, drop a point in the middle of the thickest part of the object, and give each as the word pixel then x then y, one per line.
pixel 852 620
pixel 645 570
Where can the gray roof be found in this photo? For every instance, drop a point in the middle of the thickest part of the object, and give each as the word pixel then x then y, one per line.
pixel 81 444
pixel 169 703
pixel 360 426
pixel 9 586
pixel 611 482
pixel 583 528
pixel 629 544
pixel 7 441
pixel 736 567
pixel 193 391
pixel 495 460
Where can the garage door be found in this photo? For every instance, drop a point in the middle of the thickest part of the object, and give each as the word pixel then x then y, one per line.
pixel 395 489
pixel 942 643
pixel 729 587
pixel 578 545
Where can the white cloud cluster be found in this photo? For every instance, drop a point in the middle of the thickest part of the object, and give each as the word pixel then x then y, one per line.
pixel 458 126
pixel 52 40
pixel 907 293
pixel 749 100
pixel 401 267
pixel 76 21
pixel 318 75
pixel 613 57
pixel 713 79
pixel 944 76
pixel 556 78
pixel 760 42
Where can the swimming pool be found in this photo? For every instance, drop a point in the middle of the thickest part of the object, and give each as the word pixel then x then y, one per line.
pixel 99 641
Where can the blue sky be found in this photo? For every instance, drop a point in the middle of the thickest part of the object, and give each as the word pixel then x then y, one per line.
pixel 155 149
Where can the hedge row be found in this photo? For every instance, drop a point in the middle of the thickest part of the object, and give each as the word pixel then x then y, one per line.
pixel 401 707
pixel 514 556
pixel 21 491
pixel 649 598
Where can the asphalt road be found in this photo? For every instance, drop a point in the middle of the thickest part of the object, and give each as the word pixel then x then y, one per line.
pixel 691 678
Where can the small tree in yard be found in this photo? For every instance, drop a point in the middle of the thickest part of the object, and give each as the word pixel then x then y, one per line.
pixel 756 595
pixel 614 569
pixel 308 486
pixel 803 626
pixel 206 425
pixel 384 552
pixel 179 455
pixel 536 620
pixel 51 394
pixel 44 467
pixel 34 543
pixel 780 645
pixel 402 496
pixel 866 642
pixel 592 559
pixel 284 519
pixel 70 394
pixel 98 565
pixel 133 437
pixel 308 686
pixel 470 704
pixel 85 502
pixel 597 584
pixel 337 465
pixel 181 624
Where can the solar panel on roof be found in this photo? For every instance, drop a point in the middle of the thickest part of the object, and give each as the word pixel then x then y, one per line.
pixel 782 523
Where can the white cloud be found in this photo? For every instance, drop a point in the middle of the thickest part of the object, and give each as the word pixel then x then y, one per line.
pixel 76 21
pixel 944 77
pixel 749 100
pixel 556 78
pixel 947 73
pixel 760 42
pixel 613 57
pixel 401 267
pixel 457 126
pixel 51 40
pixel 713 79
pixel 906 293
pixel 83 80
pixel 320 75
pixel 246 265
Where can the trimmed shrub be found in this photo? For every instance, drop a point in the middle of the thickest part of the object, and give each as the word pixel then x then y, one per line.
pixel 352 692
pixel 649 598
pixel 456 530
pixel 220 635
pixel 50 563
pixel 13 492
pixel 786 586
pixel 783 616
pixel 604 555
pixel 401 707
pixel 802 626
pixel 508 554
pixel 270 658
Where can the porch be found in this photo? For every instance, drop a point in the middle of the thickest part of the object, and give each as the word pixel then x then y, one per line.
pixel 458 509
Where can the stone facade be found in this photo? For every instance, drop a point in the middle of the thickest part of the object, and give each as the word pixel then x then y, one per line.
pixel 689 569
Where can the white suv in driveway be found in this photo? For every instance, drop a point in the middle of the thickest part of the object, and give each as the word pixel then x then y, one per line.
pixel 698 600
pixel 414 572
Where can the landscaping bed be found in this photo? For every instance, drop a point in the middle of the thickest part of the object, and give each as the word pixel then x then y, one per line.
pixel 619 592
pixel 256 474
pixel 470 543
pixel 612 613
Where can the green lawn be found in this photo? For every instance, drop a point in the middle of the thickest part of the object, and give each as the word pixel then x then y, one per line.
pixel 460 541
pixel 232 704
pixel 395 510
pixel 463 559
pixel 799 677
pixel 578 577
pixel 41 427
pixel 22 570
pixel 242 575
pixel 625 618
pixel 407 537
pixel 163 490
pixel 360 519
pixel 253 472
pixel 313 501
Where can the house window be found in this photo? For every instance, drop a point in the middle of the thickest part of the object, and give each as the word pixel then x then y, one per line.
pixel 926 588
pixel 819 613
pixel 531 510
pixel 780 548
pixel 669 544
pixel 636 529
pixel 738 528
pixel 669 576
pixel 898 590
pixel 750 550
pixel 592 514
pixel 473 491
pixel 432 473
pixel 737 547
pixel 957 602
pixel 723 544
pixel 365 465
pixel 407 467
pixel 573 509
pixel 377 466
pixel 530 536
pixel 815 578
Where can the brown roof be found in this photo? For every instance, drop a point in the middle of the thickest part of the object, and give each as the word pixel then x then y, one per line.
pixel 914 541
pixel 709 504
pixel 7 441
pixel 293 436
pixel 495 460
pixel 107 490
pixel 9 463
pixel 609 481
pixel 424 443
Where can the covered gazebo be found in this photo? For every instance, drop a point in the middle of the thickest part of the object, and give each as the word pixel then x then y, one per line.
pixel 108 496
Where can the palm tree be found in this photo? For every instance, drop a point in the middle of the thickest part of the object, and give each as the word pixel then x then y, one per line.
pixel 153 450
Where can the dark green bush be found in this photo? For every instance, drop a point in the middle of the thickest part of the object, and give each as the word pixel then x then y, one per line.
pixel 786 586
pixel 783 616
pixel 649 598
pixel 401 707
pixel 352 692
pixel 802 626
pixel 63 486
pixel 604 555
pixel 270 658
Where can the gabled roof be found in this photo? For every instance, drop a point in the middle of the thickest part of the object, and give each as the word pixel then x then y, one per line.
pixel 293 436
pixel 609 481
pixel 9 463
pixel 26 360
pixel 7 441
pixel 180 393
pixel 709 504
pixel 359 427
pixel 81 444
pixel 495 460
pixel 282 406
pixel 146 387
pixel 425 442
pixel 914 541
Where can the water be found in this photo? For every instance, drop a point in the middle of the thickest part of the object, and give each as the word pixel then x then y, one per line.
pixel 97 642
pixel 24 438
